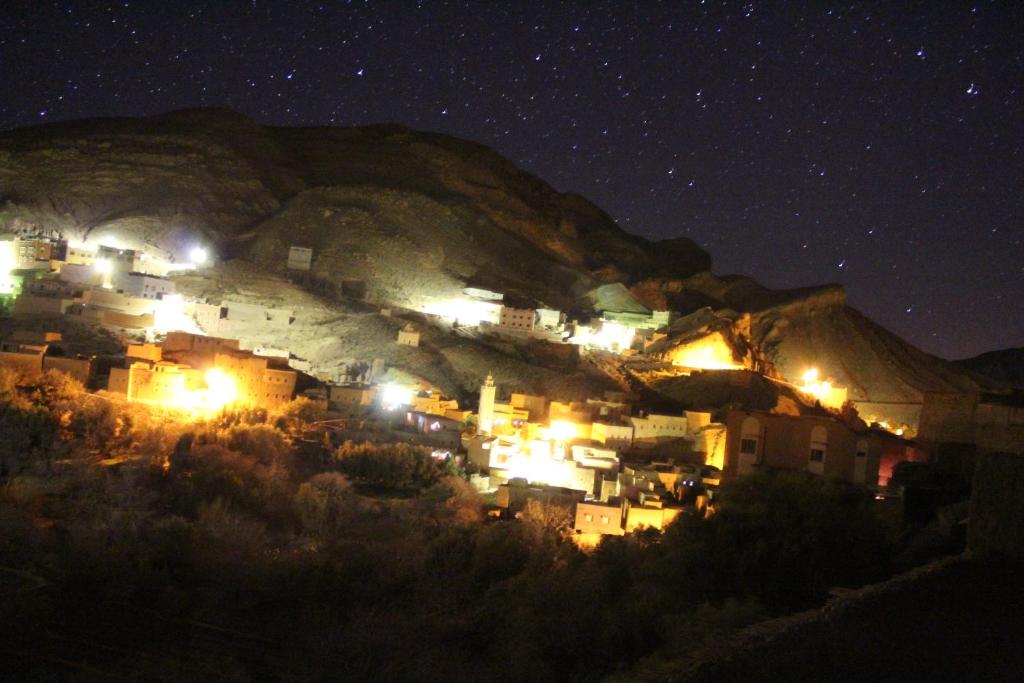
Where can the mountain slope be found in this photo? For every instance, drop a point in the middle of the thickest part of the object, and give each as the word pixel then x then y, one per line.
pixel 212 174
pixel 1004 365
pixel 414 217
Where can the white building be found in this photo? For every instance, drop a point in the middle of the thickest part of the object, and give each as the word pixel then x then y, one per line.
pixel 142 285
pixel 409 336
pixel 300 258
pixel 518 319
pixel 550 319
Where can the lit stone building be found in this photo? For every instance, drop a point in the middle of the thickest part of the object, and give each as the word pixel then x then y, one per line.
pixel 820 445
pixel 351 400
pixel 616 435
pixel 535 406
pixel 170 371
pixel 154 383
pixel 34 354
pixel 601 518
pixel 33 254
pixel 259 379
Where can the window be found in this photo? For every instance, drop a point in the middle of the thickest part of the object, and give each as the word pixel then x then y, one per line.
pixel 818 446
pixel 748 446
pixel 589 517
pixel 604 519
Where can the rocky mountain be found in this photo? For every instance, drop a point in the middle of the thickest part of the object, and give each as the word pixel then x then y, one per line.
pixel 411 214
pixel 1004 365
pixel 406 218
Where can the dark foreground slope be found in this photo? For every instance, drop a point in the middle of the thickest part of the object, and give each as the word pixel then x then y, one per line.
pixel 956 619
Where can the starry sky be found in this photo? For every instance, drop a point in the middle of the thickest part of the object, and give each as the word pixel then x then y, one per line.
pixel 875 144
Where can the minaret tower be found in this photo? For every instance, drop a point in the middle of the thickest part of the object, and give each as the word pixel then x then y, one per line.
pixel 485 412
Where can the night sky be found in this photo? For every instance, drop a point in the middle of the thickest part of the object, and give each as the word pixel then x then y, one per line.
pixel 878 145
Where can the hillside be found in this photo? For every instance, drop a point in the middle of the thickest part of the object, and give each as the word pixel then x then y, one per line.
pixel 392 192
pixel 1005 365
pixel 407 218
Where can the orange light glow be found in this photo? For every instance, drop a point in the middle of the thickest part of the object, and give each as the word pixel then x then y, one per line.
pixel 394 396
pixel 221 389
pixel 707 354
pixel 170 314
pixel 611 336
pixel 823 391
pixel 464 311
pixel 562 430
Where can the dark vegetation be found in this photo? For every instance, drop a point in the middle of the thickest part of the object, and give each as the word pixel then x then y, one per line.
pixel 151 546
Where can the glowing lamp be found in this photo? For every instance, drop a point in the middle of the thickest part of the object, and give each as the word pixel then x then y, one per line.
pixel 811 375
pixel 221 389
pixel 198 256
pixel 102 266
pixel 562 430
pixel 394 396
pixel 707 354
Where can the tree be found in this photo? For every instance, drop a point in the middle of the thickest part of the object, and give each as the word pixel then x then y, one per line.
pixel 779 537
pixel 322 503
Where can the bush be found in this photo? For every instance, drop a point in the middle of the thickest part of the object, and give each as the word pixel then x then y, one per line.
pixel 781 538
pixel 394 466
pixel 323 502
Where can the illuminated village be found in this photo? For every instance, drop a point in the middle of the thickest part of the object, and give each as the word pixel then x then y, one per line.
pixel 620 465
pixel 511 341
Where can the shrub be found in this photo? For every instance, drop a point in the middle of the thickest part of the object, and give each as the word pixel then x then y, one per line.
pixel 323 502
pixel 395 466
pixel 781 538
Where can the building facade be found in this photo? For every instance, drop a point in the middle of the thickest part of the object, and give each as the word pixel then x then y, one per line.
pixel 816 444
